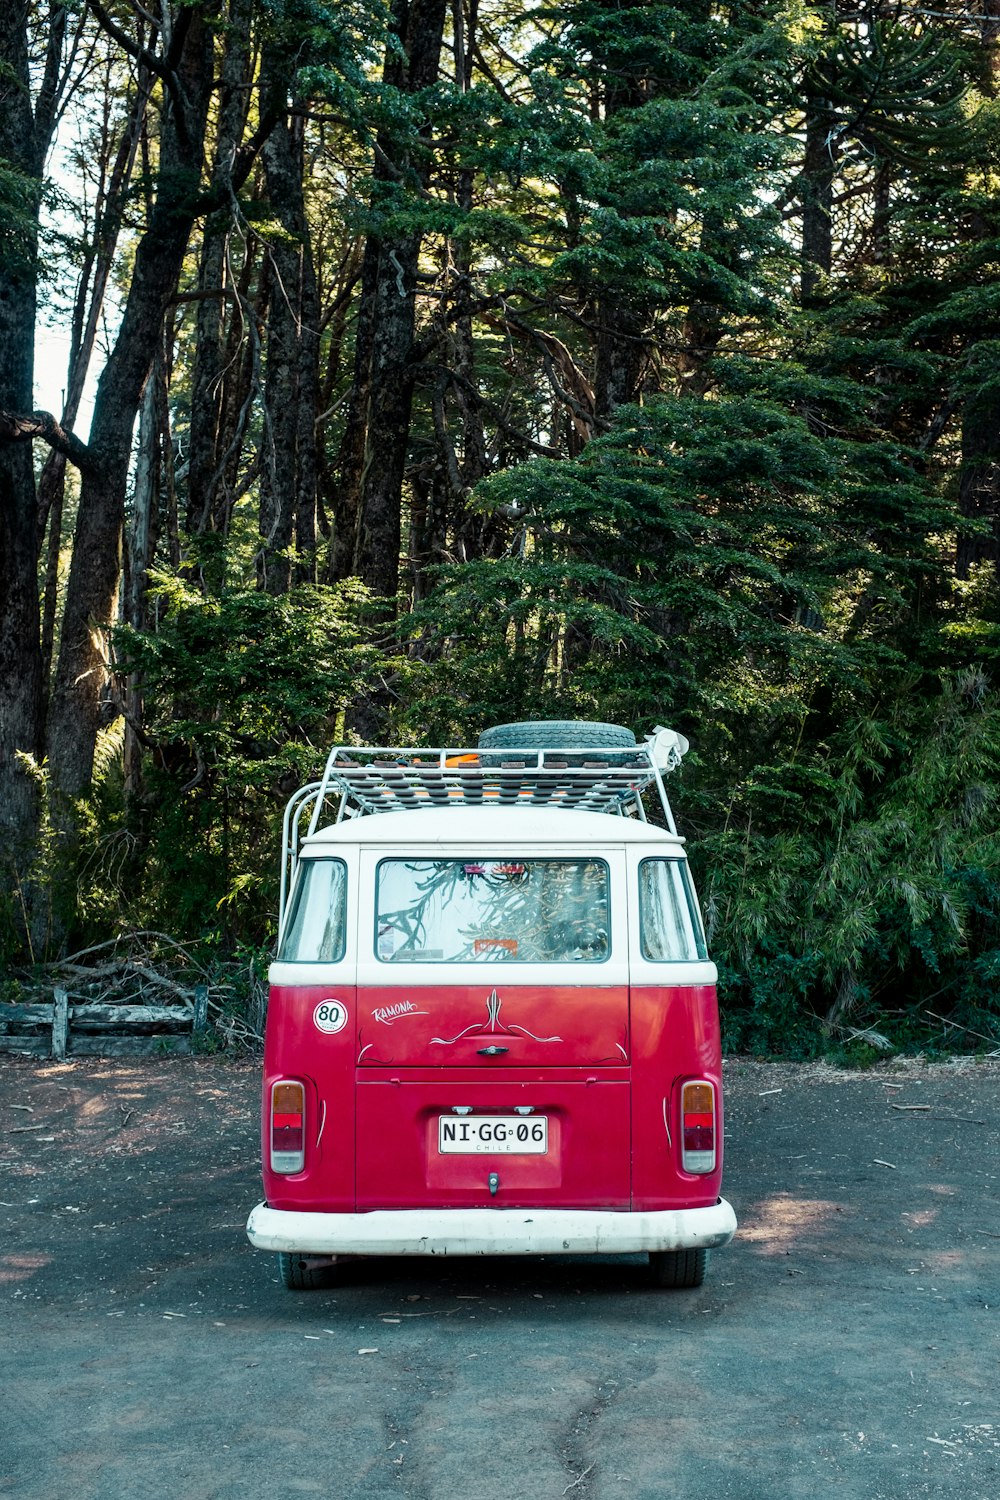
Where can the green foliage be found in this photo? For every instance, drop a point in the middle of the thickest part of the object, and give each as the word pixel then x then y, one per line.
pixel 760 550
pixel 243 691
pixel 35 903
pixel 757 580
pixel 901 90
pixel 19 199
pixel 695 543
pixel 885 898
pixel 662 187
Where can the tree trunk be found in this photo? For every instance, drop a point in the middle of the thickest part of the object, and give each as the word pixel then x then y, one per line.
pixel 703 321
pixel 817 199
pixel 469 530
pixel 619 358
pixel 419 25
pixel 337 316
pixel 351 458
pixel 82 673
pixel 288 480
pixel 306 437
pixel 979 479
pixel 108 215
pixel 208 367
pixel 881 215
pixel 388 428
pixel 621 319
pixel 989 31
pixel 25 132
pixel 138 556
pixel 240 380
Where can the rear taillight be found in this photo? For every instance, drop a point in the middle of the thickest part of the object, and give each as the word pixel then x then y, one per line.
pixel 698 1126
pixel 288 1127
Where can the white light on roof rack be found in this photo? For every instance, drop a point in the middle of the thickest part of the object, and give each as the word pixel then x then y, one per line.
pixel 667 748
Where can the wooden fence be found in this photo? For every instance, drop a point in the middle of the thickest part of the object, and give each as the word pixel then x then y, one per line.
pixel 59 1029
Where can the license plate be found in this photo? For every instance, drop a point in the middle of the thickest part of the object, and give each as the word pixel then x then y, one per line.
pixel 481 1135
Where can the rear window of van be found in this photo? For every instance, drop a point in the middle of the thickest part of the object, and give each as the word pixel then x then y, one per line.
pixel 317 921
pixel 512 910
pixel 670 929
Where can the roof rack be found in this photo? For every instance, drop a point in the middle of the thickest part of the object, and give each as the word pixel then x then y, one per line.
pixel 365 781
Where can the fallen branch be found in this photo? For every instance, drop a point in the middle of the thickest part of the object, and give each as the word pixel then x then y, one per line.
pixel 139 971
pixel 126 937
pixel 959 1027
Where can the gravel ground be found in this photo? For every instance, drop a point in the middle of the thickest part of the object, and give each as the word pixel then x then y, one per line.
pixel 845 1343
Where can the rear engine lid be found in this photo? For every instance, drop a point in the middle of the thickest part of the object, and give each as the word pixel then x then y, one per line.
pixel 493 1025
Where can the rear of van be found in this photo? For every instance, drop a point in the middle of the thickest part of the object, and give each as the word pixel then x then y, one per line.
pixel 492 1033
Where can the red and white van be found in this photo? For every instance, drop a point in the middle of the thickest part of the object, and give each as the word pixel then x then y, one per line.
pixel 492 1026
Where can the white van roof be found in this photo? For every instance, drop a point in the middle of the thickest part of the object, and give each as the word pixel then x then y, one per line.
pixel 493 827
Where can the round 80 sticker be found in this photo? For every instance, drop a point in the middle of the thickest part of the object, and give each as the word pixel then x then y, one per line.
pixel 330 1016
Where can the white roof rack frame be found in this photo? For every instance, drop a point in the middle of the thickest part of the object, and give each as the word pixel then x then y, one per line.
pixel 366 781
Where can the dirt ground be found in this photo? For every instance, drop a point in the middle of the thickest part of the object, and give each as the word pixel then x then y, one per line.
pixel 847 1342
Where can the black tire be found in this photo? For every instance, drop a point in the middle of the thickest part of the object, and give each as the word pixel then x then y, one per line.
pixel 677 1269
pixel 300 1274
pixel 558 734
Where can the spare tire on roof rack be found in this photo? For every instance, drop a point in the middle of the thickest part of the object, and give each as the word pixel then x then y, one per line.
pixel 603 743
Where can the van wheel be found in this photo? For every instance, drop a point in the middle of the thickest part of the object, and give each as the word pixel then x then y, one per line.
pixel 558 734
pixel 678 1269
pixel 304 1273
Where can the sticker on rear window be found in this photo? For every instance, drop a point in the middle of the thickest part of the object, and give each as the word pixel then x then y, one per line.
pixel 330 1016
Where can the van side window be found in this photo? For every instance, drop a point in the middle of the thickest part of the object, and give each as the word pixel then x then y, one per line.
pixel 669 922
pixel 512 910
pixel 317 925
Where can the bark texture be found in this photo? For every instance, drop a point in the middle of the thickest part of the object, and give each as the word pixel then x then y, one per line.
pixel 389 279
pixel 979 480
pixel 291 394
pixel 206 509
pixel 79 699
pixel 25 132
pixel 817 197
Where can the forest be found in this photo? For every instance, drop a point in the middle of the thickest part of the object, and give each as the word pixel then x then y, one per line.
pixel 431 364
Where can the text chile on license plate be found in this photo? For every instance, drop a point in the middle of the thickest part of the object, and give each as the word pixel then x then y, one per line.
pixel 489 1134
